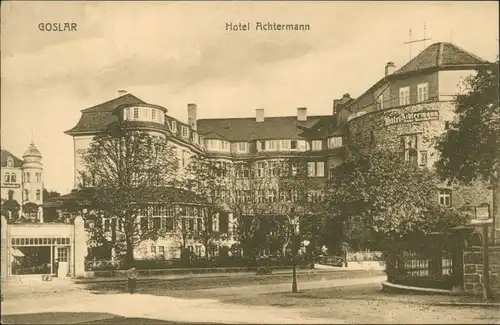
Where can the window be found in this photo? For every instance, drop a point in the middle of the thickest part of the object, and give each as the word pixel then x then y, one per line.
pixel 169 224
pixel 446 125
pixel 153 249
pixel 314 196
pixel 161 250
pixel 38 195
pixel 202 141
pixel 144 224
pixel 242 147
pixel 294 169
pixel 335 142
pixel 422 92
pixel 293 145
pixel 185 132
pixel 26 195
pixel 6 178
pixel 156 223
pixel 153 114
pixel 317 145
pixel 13 177
pixel 423 158
pixel 127 113
pixel 225 145
pixel 445 197
pixel 260 196
pixel 380 103
pixel 136 112
pixel 271 196
pixel 285 144
pixel 404 96
pixel 184 158
pixel 173 125
pixel 195 137
pixel 320 169
pixel 331 172
pixel 410 146
pixel 271 145
pixel 311 169
pixel 27 177
pixel 10 162
pixel 260 169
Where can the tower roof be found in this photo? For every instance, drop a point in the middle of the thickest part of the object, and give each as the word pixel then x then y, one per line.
pixel 32 151
pixel 441 55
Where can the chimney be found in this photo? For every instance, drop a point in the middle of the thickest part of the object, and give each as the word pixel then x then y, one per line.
pixel 390 67
pixel 122 92
pixel 192 116
pixel 302 114
pixel 259 115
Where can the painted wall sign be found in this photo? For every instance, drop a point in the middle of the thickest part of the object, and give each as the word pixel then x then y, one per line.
pixel 11 185
pixel 412 117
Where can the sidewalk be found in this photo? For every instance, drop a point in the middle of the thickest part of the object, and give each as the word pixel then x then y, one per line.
pixel 209 275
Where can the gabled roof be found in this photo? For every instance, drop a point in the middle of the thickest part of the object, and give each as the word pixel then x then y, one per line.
pixel 108 106
pixel 4 154
pixel 247 129
pixel 441 55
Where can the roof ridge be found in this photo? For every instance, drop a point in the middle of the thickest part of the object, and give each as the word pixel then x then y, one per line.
pixel 111 100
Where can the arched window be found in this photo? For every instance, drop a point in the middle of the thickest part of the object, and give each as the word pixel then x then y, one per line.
pixel 7 178
pixel 38 195
pixel 13 177
pixel 27 177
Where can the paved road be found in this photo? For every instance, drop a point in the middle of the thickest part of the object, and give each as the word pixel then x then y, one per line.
pixel 113 306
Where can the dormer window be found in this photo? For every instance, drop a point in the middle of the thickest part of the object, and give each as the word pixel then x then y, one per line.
pixel 195 137
pixel 185 132
pixel 153 114
pixel 173 125
pixel 242 147
pixel 335 142
pixel 317 145
pixel 10 162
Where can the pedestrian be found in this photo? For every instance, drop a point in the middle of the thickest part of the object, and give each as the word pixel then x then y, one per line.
pixel 56 267
pixel 132 279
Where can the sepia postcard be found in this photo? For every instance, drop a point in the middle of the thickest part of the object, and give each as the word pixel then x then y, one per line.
pixel 256 162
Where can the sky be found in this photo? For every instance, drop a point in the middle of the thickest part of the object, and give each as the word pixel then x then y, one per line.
pixel 175 53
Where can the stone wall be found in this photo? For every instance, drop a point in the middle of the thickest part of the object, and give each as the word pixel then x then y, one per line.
pixel 473 271
pixel 380 128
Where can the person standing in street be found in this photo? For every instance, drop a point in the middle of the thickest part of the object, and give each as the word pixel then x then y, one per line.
pixel 132 280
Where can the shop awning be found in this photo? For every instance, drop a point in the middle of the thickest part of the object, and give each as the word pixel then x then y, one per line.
pixel 17 253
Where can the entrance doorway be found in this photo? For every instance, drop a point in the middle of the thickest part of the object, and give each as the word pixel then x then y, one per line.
pixel 63 258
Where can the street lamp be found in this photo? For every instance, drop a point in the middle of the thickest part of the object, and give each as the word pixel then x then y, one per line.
pixel 295 248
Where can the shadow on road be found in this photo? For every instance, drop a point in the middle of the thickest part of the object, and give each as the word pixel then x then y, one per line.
pixel 79 318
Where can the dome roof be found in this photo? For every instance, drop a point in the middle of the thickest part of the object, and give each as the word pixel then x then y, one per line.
pixel 32 151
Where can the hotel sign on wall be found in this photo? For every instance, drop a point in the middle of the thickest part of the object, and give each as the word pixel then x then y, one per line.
pixel 10 185
pixel 411 117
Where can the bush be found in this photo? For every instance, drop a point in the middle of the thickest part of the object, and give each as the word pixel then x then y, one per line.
pixel 363 256
pixel 102 265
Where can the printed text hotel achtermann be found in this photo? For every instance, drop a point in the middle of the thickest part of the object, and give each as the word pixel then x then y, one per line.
pixel 265 26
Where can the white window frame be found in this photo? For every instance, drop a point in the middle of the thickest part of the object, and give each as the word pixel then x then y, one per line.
pixel 153 114
pixel 184 131
pixel 404 96
pixel 311 169
pixel 261 169
pixel 445 197
pixel 202 140
pixel 242 147
pixel 271 145
pixel 335 142
pixel 317 145
pixel 422 92
pixel 173 125
pixel 320 169
pixel 285 144
pixel 136 113
pixel 126 116
pixel 195 137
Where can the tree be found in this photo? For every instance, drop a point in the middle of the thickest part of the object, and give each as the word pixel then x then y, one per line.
pixel 376 190
pixel 209 179
pixel 252 195
pixel 129 170
pixel 470 148
pixel 49 194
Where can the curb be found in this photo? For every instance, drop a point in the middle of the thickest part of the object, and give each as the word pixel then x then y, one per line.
pixel 468 304
pixel 190 276
pixel 391 287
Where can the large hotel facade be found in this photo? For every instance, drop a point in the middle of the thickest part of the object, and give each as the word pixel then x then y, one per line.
pixel 404 110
